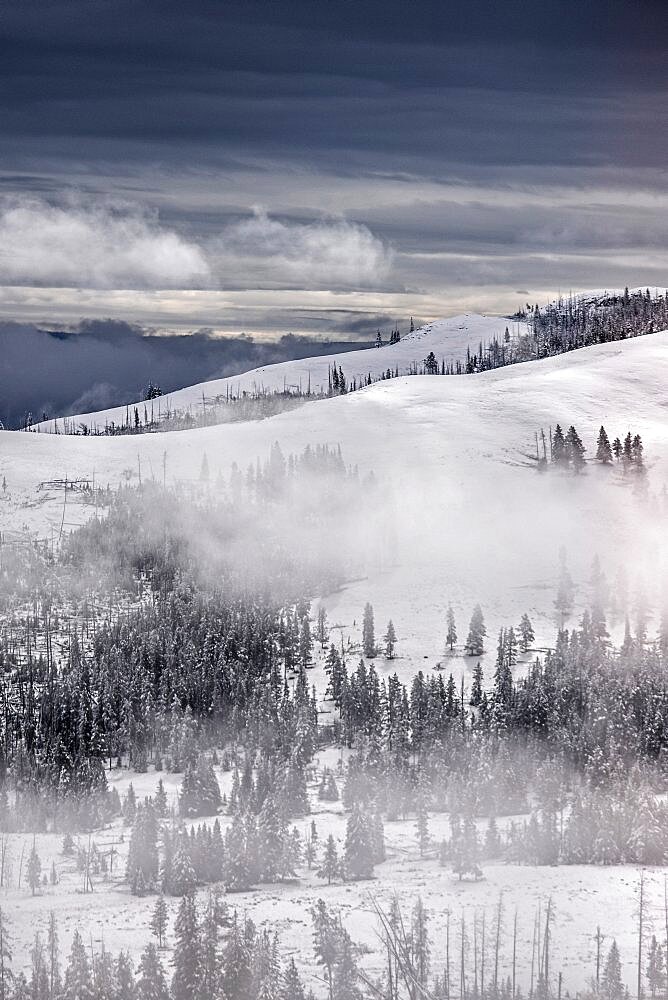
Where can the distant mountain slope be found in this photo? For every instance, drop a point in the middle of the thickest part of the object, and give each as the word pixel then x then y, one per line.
pixel 447 338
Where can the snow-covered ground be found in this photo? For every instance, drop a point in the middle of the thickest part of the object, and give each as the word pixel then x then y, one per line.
pixel 447 338
pixel 466 517
pixel 582 897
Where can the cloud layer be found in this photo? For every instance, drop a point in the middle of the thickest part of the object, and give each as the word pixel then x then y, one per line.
pixel 443 158
pixel 109 247
pixel 93 247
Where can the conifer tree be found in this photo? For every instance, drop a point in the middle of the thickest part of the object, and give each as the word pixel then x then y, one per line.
pixel 125 984
pixel 6 977
pixel 183 879
pixel 78 979
pixel 158 923
pixel 612 987
pixel 477 632
pixel 331 865
pixel 390 640
pixel 368 634
pixel 160 800
pixel 656 969
pixel 476 686
pixel 34 869
pixel 451 634
pixel 575 450
pixel 321 628
pixel 526 631
pixel 187 952
pixel 603 449
pixel 359 849
pixel 559 451
pixel 291 987
pixel 151 979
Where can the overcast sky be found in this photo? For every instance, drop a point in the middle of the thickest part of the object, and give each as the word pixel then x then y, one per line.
pixel 320 167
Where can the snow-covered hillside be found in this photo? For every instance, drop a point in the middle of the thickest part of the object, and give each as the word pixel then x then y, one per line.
pixel 447 338
pixel 472 518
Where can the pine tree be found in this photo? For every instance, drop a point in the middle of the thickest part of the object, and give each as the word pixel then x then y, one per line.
pixel 78 980
pixel 359 849
pixel 291 987
pixel 656 968
pixel 183 879
pixel 612 987
pixel 331 865
pixel 187 952
pixel 603 449
pixel 559 451
pixel 34 869
pixel 151 979
pixel 451 635
pixel 422 822
pixel 6 977
pixel 477 686
pixel 390 640
pixel 477 632
pixel 368 634
pixel 125 983
pixel 575 449
pixel 160 800
pixel 419 942
pixel 53 957
pixel 526 631
pixel 321 628
pixel 158 923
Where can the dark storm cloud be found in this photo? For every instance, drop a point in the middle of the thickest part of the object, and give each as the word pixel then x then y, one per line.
pixel 351 112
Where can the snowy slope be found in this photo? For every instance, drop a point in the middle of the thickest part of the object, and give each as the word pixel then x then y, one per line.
pixel 473 520
pixel 447 338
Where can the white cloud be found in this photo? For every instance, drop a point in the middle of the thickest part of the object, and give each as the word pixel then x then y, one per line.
pixel 93 247
pixel 327 254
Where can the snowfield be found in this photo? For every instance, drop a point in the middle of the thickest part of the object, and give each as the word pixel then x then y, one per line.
pixel 582 898
pixel 466 518
pixel 447 338
pixel 469 517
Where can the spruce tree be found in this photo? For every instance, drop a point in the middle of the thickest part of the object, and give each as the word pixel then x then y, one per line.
pixel 78 979
pixel 331 865
pixel 559 451
pixel 451 634
pixel 575 449
pixel 359 849
pixel 159 918
pixel 612 987
pixel 187 952
pixel 390 640
pixel 368 633
pixel 151 980
pixel 477 632
pixel 291 987
pixel 34 869
pixel 603 449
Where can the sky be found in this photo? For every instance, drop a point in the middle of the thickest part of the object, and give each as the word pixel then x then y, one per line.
pixel 324 168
